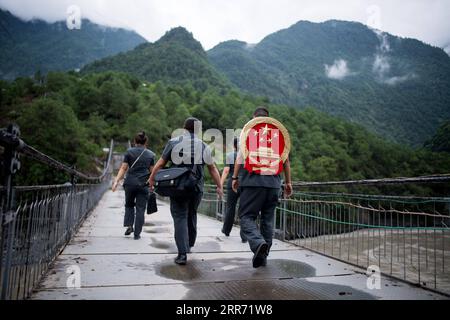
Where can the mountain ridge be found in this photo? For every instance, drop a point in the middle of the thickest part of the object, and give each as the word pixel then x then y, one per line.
pixel 348 70
pixel 36 45
pixel 177 57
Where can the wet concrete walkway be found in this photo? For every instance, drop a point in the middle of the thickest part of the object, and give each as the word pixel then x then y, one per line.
pixel 112 266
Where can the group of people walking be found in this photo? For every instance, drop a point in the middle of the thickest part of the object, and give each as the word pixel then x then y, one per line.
pixel 257 194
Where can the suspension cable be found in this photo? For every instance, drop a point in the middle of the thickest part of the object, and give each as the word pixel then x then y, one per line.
pixel 8 139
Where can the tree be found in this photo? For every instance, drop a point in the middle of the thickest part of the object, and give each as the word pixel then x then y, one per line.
pixel 54 129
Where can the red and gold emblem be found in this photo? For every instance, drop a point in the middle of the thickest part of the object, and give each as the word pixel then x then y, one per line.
pixel 265 146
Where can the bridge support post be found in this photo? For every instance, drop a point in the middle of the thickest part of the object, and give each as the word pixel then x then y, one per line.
pixel 11 164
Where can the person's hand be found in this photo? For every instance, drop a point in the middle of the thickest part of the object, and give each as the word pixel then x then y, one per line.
pixel 115 185
pixel 151 184
pixel 288 190
pixel 235 186
pixel 220 192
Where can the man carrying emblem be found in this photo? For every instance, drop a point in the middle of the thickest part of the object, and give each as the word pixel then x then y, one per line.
pixel 264 153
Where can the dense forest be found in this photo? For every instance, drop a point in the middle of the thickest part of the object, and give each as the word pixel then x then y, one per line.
pixel 395 87
pixel 441 140
pixel 30 46
pixel 72 117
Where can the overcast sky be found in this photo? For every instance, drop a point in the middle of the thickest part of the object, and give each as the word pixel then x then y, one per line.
pixel 214 21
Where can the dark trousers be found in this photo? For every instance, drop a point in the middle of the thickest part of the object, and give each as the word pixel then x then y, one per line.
pixel 255 200
pixel 230 212
pixel 184 214
pixel 136 198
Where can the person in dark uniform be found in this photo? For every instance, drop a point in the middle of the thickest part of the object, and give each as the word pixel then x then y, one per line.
pixel 187 150
pixel 137 165
pixel 232 197
pixel 259 195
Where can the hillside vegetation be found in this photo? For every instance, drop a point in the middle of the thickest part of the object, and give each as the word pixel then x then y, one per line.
pixel 71 118
pixel 37 46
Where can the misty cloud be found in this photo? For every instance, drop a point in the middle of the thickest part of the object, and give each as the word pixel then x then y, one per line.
pixel 396 80
pixel 338 71
pixel 250 46
pixel 381 65
pixel 447 49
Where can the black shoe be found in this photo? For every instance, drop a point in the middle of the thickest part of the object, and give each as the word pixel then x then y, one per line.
pixel 244 240
pixel 226 234
pixel 181 259
pixel 129 231
pixel 264 264
pixel 137 237
pixel 260 255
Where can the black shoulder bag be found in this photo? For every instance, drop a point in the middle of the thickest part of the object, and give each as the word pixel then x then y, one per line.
pixel 176 182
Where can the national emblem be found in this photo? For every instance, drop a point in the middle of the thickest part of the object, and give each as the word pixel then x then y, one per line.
pixel 265 146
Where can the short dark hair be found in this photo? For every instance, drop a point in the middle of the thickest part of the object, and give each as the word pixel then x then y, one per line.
pixel 141 138
pixel 261 112
pixel 189 124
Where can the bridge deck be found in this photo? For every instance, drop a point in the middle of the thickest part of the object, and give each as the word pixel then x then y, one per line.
pixel 115 267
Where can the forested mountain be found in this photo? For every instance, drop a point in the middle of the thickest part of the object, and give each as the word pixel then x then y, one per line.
pixel 175 58
pixel 441 140
pixel 29 47
pixel 72 118
pixel 396 87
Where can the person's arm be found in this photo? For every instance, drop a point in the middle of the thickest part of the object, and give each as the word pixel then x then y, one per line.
pixel 158 166
pixel 237 167
pixel 123 170
pixel 216 177
pixel 287 178
pixel 225 173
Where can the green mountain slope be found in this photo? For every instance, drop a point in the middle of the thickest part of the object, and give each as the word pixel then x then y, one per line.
pixel 26 47
pixel 441 140
pixel 176 58
pixel 396 87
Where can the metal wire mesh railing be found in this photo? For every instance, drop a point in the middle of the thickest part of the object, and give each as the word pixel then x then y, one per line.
pixel 46 219
pixel 405 237
pixel 38 221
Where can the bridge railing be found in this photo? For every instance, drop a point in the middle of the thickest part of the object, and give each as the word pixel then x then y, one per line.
pixel 407 238
pixel 38 221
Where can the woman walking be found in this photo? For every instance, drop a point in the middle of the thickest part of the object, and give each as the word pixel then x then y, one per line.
pixel 137 165
pixel 232 197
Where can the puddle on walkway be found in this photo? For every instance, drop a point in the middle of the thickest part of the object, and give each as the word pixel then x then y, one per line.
pixel 236 268
pixel 291 289
pixel 235 278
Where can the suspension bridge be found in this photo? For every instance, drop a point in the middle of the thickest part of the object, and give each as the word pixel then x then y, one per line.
pixel 65 242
